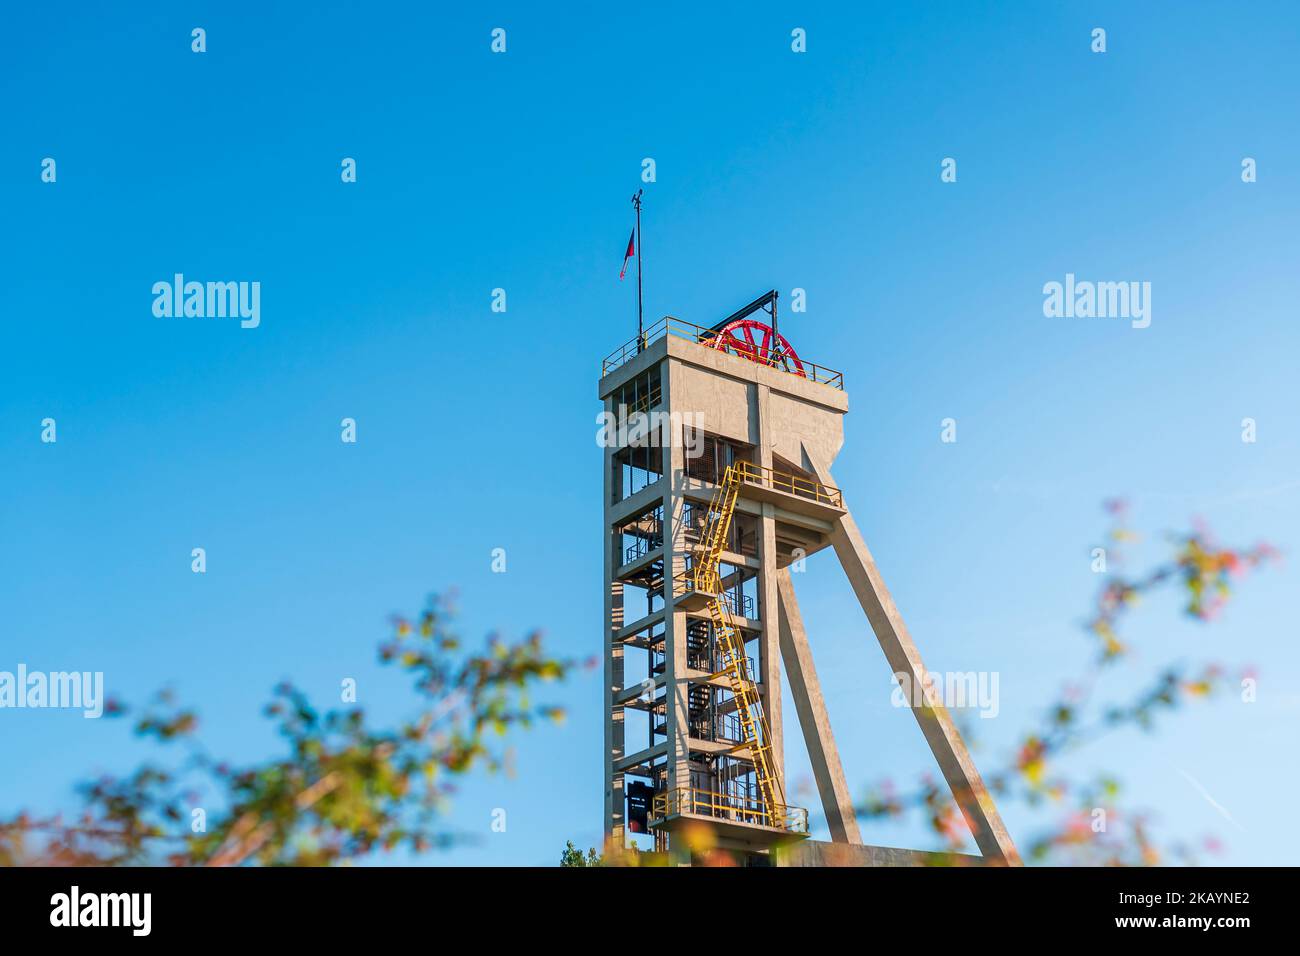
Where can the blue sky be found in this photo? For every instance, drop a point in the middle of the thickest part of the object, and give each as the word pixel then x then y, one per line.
pixel 774 170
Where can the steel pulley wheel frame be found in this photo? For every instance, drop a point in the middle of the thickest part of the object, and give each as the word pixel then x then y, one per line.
pixel 758 343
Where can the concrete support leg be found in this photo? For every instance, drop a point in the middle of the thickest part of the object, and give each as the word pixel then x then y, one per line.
pixel 940 732
pixel 809 704
pixel 769 661
pixel 615 801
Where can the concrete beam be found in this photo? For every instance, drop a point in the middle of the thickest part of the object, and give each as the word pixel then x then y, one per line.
pixel 641 757
pixel 819 853
pixel 624 634
pixel 769 659
pixel 806 690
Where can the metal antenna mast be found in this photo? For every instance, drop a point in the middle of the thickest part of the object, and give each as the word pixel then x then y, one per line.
pixel 640 317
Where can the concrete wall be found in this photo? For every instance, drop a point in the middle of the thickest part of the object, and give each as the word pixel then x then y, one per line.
pixel 726 404
pixel 798 423
pixel 817 853
pixel 726 390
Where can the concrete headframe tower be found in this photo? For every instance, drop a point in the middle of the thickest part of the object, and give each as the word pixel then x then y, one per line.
pixel 719 445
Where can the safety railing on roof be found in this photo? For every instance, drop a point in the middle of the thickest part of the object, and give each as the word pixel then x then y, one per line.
pixel 704 336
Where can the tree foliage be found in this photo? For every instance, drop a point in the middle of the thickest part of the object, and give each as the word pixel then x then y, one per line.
pixel 342 788
pixel 572 856
pixel 1204 572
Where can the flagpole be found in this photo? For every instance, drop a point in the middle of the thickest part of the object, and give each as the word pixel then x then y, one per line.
pixel 640 319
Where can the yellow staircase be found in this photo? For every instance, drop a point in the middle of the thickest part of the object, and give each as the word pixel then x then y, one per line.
pixel 749 709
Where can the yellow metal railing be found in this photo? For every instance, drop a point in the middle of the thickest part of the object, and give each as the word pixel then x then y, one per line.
pixel 784 481
pixel 703 336
pixel 726 806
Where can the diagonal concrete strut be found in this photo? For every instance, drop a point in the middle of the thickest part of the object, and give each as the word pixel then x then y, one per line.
pixel 937 726
pixel 811 707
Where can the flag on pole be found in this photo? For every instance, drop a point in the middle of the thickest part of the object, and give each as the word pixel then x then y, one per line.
pixel 631 251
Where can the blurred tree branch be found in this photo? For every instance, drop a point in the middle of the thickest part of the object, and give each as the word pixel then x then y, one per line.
pixel 343 790
pixel 1204 572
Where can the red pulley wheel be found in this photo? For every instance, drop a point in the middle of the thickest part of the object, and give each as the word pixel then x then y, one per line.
pixel 758 343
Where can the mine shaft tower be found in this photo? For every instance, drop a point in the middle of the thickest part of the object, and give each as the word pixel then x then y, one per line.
pixel 716 482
